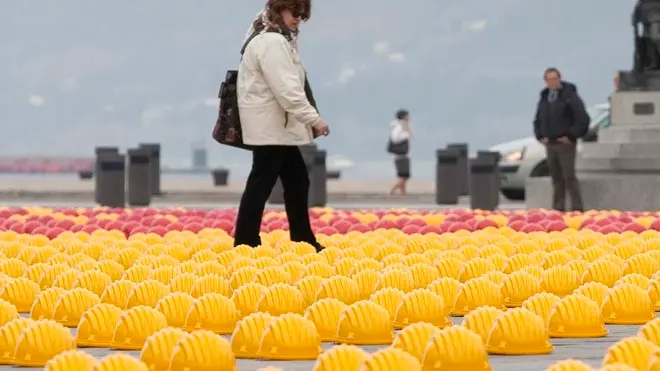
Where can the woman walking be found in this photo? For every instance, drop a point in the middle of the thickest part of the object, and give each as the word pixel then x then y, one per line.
pixel 399 146
pixel 278 114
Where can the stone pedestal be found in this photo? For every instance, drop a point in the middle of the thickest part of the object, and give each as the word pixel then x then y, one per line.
pixel 621 170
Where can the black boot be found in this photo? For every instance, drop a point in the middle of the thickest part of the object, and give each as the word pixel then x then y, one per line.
pixel 318 247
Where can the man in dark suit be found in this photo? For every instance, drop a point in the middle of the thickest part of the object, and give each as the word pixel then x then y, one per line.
pixel 560 121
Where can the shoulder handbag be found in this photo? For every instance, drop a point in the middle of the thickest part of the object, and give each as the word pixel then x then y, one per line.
pixel 400 148
pixel 228 129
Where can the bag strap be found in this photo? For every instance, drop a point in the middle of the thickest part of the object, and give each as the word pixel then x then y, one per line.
pixel 257 33
pixel 254 34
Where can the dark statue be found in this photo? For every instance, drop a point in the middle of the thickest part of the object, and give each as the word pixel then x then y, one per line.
pixel 646 23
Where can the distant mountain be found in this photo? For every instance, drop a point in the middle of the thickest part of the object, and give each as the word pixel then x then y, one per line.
pixel 76 74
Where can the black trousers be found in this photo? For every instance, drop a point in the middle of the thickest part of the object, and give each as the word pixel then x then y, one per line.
pixel 561 163
pixel 269 163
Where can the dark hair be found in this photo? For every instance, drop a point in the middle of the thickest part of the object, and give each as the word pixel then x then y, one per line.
pixel 301 7
pixel 401 114
pixel 551 70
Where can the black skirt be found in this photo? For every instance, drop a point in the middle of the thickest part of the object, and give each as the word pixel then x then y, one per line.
pixel 402 165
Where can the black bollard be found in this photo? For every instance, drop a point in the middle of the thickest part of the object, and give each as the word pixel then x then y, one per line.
pixel 446 172
pixel 462 177
pixel 318 179
pixel 334 175
pixel 112 190
pixel 100 152
pixel 484 182
pixel 86 174
pixel 220 177
pixel 277 195
pixel 154 167
pixel 138 188
pixel 307 152
pixel 493 157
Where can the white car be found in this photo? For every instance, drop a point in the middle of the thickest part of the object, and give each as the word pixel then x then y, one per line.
pixel 524 158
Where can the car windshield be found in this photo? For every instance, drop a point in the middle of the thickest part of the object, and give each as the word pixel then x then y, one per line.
pixel 595 112
pixel 599 116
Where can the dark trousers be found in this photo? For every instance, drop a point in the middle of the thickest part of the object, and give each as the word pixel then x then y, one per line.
pixel 269 163
pixel 561 163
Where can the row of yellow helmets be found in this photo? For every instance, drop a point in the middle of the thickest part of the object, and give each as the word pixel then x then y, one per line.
pixel 20 284
pixel 559 271
pixel 374 244
pixel 632 354
pixel 419 346
pixel 364 322
pixel 395 263
pixel 395 270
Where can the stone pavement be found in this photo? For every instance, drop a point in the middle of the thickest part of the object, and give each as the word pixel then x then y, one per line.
pixel 175 189
pixel 48 191
pixel 345 205
pixel 590 351
pixel 172 184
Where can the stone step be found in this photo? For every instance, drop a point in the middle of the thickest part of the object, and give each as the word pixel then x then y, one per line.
pixel 621 165
pixel 630 134
pixel 602 192
pixel 609 150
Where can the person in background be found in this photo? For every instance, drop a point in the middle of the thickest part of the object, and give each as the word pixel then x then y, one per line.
pixel 277 114
pixel 561 119
pixel 399 146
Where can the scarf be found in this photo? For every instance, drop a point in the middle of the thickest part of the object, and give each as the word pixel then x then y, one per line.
pixel 261 24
